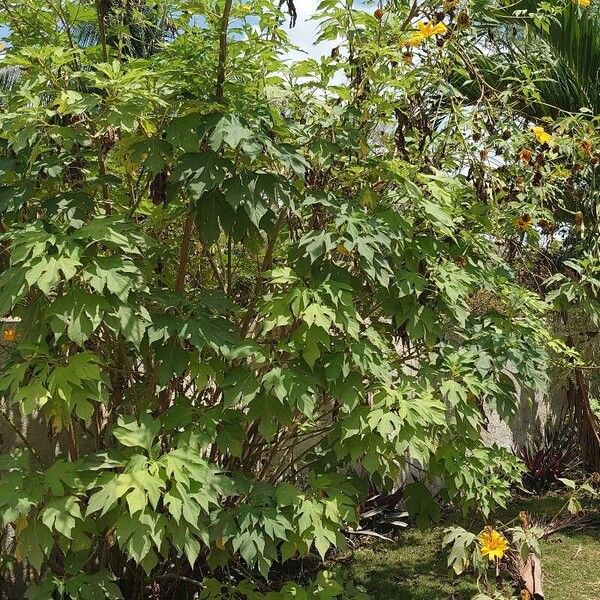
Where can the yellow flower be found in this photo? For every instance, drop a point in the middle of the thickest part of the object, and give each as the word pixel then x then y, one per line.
pixel 541 135
pixel 415 40
pixel 493 544
pixel 426 30
pixel 584 3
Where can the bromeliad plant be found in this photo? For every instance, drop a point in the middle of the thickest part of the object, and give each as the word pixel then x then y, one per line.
pixel 241 285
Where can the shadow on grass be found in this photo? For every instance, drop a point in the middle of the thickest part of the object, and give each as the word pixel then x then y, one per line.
pixel 414 568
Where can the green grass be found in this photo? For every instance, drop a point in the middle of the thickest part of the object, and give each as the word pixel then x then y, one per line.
pixel 571 563
pixel 414 567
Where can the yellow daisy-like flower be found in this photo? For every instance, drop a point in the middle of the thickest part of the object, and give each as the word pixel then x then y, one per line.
pixel 493 544
pixel 426 30
pixel 584 3
pixel 541 135
pixel 415 40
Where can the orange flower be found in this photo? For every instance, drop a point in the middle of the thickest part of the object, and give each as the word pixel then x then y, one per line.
pixel 493 544
pixel 9 335
pixel 524 222
pixel 584 3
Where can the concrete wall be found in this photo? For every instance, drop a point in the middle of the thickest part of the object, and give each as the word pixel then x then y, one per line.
pixel 533 413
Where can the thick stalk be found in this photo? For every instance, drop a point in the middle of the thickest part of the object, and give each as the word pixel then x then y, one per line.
pixel 23 438
pixel 267 263
pixel 189 221
pixel 102 28
pixel 222 51
pixel 184 252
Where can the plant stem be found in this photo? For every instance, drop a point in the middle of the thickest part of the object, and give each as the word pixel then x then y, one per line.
pixel 229 250
pixel 266 265
pixel 222 51
pixel 182 578
pixel 102 29
pixel 184 252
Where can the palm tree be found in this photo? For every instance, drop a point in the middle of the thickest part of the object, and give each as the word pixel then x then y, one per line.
pixel 566 48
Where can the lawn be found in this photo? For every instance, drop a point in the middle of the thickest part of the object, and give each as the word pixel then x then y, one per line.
pixel 414 567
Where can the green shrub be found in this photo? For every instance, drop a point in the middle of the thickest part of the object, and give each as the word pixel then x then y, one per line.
pixel 237 293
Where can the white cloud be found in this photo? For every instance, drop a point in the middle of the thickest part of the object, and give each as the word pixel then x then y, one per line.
pixel 305 33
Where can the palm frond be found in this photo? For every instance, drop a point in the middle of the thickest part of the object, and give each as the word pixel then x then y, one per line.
pixel 566 46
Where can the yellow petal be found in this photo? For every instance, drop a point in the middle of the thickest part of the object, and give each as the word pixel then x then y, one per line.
pixel 416 39
pixel 493 544
pixel 541 135
pixel 424 28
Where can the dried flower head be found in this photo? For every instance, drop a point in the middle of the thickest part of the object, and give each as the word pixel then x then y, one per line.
pixel 525 155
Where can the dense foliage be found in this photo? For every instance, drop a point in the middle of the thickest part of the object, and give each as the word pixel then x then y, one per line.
pixel 250 289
